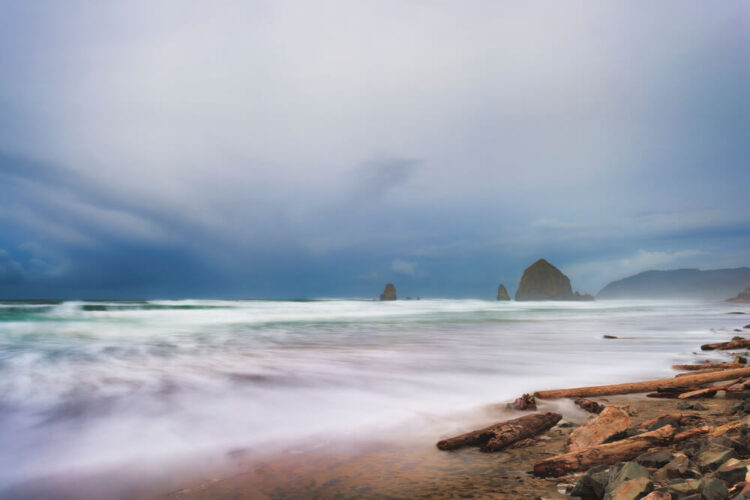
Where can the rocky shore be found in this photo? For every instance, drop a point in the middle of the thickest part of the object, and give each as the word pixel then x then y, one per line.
pixel 689 438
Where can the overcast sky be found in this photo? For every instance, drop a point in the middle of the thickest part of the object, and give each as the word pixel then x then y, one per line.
pixel 310 149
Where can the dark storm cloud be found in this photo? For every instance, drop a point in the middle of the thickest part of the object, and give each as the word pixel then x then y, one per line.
pixel 288 148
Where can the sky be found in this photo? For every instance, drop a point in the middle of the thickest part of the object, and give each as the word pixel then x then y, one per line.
pixel 292 149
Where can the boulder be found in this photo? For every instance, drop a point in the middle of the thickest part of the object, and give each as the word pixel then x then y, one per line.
pixel 623 473
pixel 714 458
pixel 742 297
pixel 655 459
pixel 713 489
pixel 543 281
pixel 591 485
pixel 502 293
pixel 679 467
pixel 732 471
pixel 389 293
pixel 635 489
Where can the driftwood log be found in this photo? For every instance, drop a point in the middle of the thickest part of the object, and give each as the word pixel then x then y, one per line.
pixel 652 385
pixel 708 390
pixel 707 370
pixel 679 418
pixel 610 422
pixel 671 392
pixel 588 405
pixel 707 366
pixel 725 346
pixel 604 454
pixel 501 435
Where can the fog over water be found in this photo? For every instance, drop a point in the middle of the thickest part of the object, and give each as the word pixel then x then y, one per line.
pixel 86 386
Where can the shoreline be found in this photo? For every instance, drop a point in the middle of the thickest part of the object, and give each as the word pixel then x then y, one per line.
pixel 381 468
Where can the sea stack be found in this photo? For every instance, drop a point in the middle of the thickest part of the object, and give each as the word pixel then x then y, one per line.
pixel 389 293
pixel 543 281
pixel 502 293
pixel 743 297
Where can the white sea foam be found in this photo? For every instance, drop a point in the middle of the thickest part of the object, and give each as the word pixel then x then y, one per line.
pixel 96 384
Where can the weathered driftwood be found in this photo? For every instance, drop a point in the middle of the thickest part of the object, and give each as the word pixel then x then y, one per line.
pixel 726 346
pixel 708 390
pixel 691 433
pixel 610 422
pixel 707 366
pixel 724 429
pixel 588 405
pixel 603 390
pixel 499 436
pixel 604 454
pixel 707 370
pixel 680 418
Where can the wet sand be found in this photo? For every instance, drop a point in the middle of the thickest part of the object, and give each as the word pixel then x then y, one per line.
pixel 388 470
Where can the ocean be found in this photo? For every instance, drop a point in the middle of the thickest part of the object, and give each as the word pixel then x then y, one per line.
pixel 96 386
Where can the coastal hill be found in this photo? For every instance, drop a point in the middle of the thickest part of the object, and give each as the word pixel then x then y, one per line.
pixel 743 297
pixel 717 284
pixel 543 281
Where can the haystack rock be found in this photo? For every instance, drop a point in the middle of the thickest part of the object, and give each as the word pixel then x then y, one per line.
pixel 742 297
pixel 543 281
pixel 389 293
pixel 502 293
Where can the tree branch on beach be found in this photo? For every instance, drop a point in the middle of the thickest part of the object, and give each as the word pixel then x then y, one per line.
pixel 501 435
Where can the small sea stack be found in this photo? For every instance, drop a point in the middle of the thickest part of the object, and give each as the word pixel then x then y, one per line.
pixel 502 293
pixel 389 293
pixel 543 281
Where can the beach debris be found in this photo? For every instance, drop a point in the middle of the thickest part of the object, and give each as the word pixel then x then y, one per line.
pixel 503 434
pixel 735 343
pixel 676 419
pixel 670 392
pixel 525 402
pixel 610 422
pixel 588 405
pixel 740 360
pixel 710 366
pixel 609 336
pixel 709 390
pixel 604 454
pixel 697 379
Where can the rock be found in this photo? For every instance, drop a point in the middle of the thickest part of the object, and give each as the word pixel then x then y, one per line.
pixel 658 495
pixel 502 293
pixel 655 459
pixel 714 458
pixel 389 293
pixel 624 472
pixel 679 467
pixel 634 489
pixel 684 488
pixel 713 489
pixel 732 471
pixel 591 485
pixel 685 405
pixel 543 281
pixel 588 405
pixel 742 297
pixel 585 296
pixel 525 402
pixel 741 408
